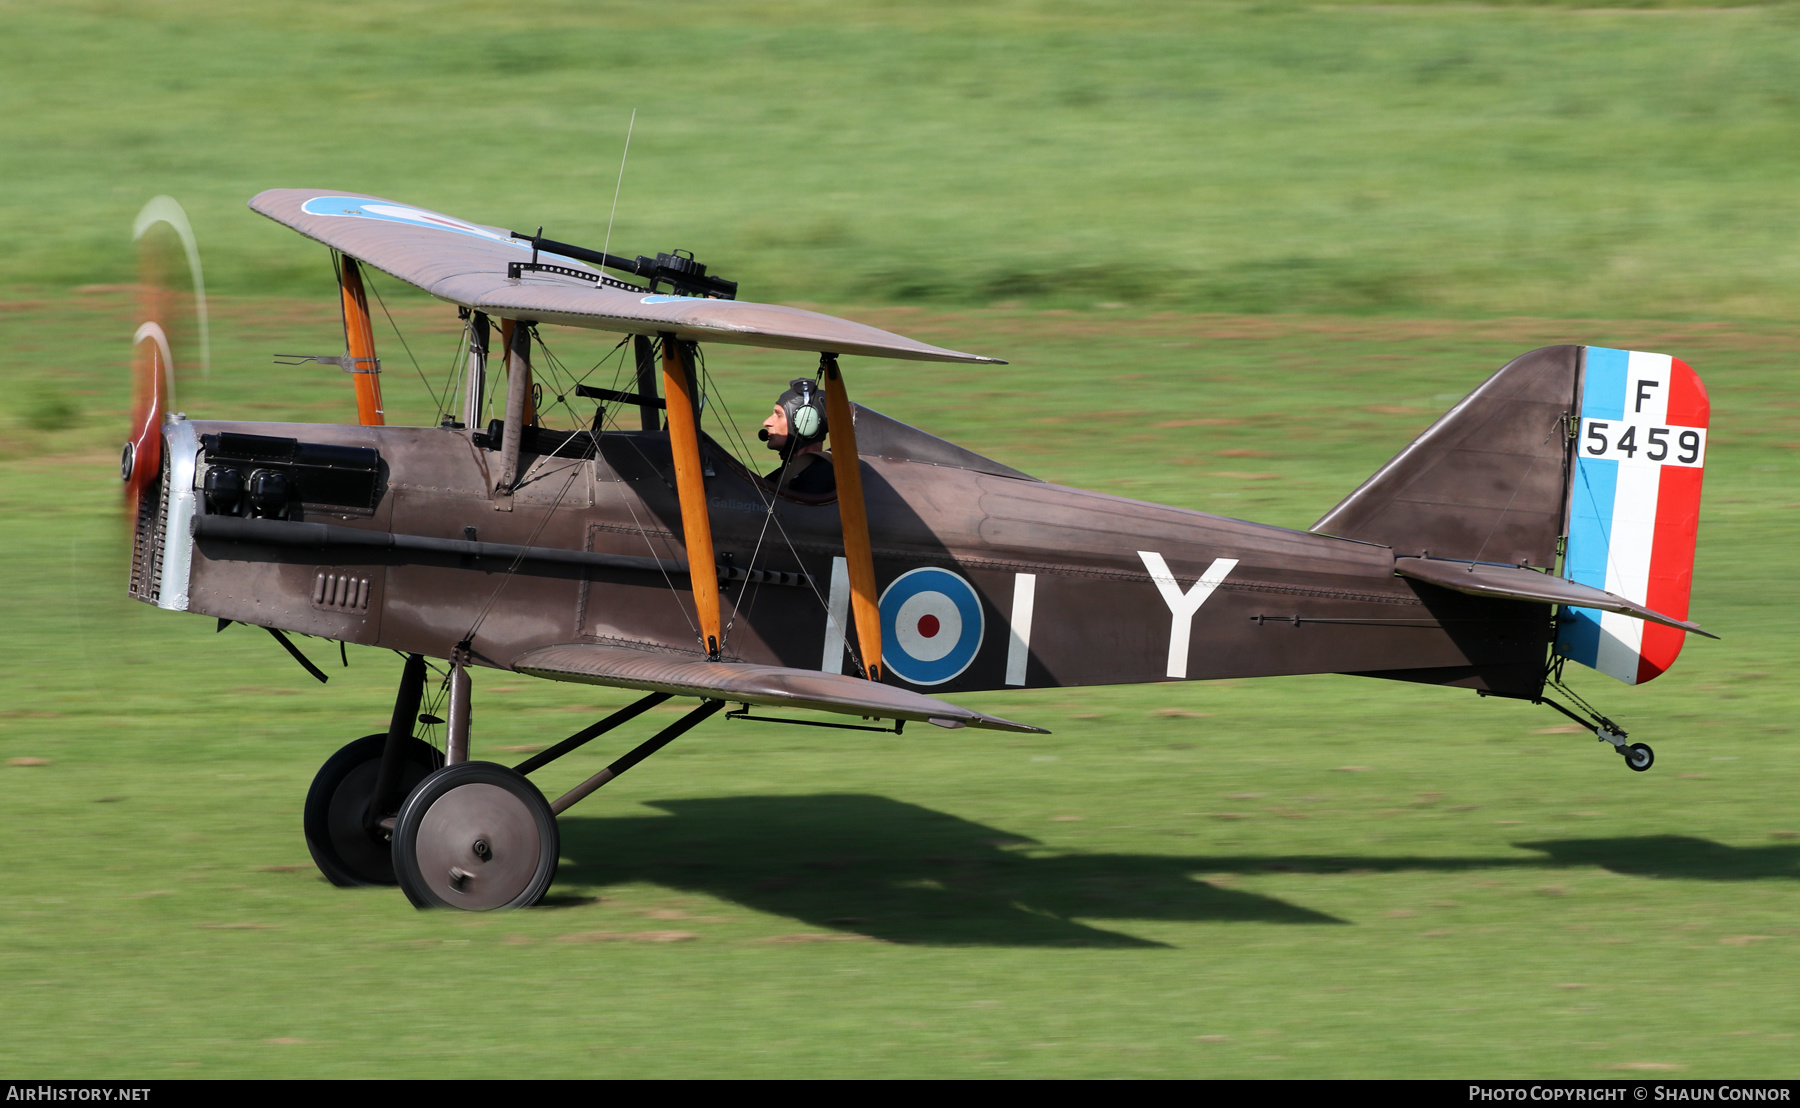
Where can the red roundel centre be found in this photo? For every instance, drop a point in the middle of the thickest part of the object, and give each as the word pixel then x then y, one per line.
pixel 929 626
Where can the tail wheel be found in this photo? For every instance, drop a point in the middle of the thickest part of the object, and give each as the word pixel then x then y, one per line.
pixel 476 836
pixel 1639 757
pixel 345 853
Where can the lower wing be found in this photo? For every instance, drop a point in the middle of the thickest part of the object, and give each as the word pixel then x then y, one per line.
pixel 768 686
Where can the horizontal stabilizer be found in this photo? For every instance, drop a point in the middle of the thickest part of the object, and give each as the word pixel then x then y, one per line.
pixel 769 686
pixel 468 264
pixel 1516 583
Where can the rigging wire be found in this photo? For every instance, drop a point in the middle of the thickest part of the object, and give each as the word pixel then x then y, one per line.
pixel 456 379
pixel 729 423
pixel 556 366
pixel 559 372
pixel 574 472
pixel 431 699
pixel 644 532
pixel 369 283
pixel 770 516
pixel 564 380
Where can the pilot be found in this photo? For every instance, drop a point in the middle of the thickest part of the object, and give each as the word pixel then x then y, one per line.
pixel 796 431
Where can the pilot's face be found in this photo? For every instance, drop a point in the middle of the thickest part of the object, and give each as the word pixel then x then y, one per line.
pixel 777 427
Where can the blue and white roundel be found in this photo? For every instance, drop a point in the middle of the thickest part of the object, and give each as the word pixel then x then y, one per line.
pixel 364 208
pixel 931 626
pixel 361 207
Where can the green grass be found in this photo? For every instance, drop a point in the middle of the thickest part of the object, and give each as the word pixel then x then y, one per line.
pixel 1302 877
pixel 1238 254
pixel 1428 160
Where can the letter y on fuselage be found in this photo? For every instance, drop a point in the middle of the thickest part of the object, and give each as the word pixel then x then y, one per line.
pixel 1183 605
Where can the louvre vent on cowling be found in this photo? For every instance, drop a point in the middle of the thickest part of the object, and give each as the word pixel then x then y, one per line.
pixel 147 544
pixel 341 592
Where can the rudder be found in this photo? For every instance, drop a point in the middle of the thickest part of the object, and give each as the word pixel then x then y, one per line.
pixel 1634 507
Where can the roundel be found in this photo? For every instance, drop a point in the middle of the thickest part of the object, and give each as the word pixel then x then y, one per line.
pixel 931 626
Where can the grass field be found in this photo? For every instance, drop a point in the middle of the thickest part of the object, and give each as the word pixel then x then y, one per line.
pixel 1304 877
pixel 1237 255
pixel 1209 156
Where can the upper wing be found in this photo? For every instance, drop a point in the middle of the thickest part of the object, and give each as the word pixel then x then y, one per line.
pixel 1516 583
pixel 770 686
pixel 465 263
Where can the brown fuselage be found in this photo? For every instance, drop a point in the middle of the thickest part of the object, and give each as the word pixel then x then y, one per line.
pixel 1294 602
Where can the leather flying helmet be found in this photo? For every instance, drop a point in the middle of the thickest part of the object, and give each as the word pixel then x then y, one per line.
pixel 804 403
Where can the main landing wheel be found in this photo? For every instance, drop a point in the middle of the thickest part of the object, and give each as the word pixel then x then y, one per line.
pixel 476 836
pixel 1639 757
pixel 346 854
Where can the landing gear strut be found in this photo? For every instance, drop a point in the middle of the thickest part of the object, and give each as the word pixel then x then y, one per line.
pixel 1638 756
pixel 349 809
pixel 480 836
pixel 388 809
pixel 342 847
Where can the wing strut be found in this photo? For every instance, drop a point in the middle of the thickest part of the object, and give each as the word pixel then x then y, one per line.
pixel 529 416
pixel 859 554
pixel 475 375
pixel 359 339
pixel 644 352
pixel 516 341
pixel 690 485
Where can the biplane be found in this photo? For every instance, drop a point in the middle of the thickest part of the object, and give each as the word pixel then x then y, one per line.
pixel 1548 518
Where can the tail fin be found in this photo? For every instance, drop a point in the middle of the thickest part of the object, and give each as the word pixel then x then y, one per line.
pixel 1511 472
pixel 1487 482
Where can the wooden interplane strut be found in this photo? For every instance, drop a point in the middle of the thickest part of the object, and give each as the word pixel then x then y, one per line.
pixel 859 554
pixel 359 339
pixel 529 412
pixel 690 485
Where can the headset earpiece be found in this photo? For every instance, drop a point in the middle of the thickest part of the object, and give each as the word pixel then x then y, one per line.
pixel 805 407
pixel 807 422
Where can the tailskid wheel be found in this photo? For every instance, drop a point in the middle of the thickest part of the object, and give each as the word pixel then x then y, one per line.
pixel 1639 757
pixel 346 854
pixel 476 836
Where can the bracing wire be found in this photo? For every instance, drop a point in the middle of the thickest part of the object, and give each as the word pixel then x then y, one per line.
pixel 574 472
pixel 643 532
pixel 769 516
pixel 369 283
pixel 431 701
pixel 557 369
pixel 729 423
pixel 459 366
pixel 563 380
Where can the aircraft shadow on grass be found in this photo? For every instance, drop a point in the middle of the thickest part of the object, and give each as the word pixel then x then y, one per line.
pixel 1673 856
pixel 871 865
